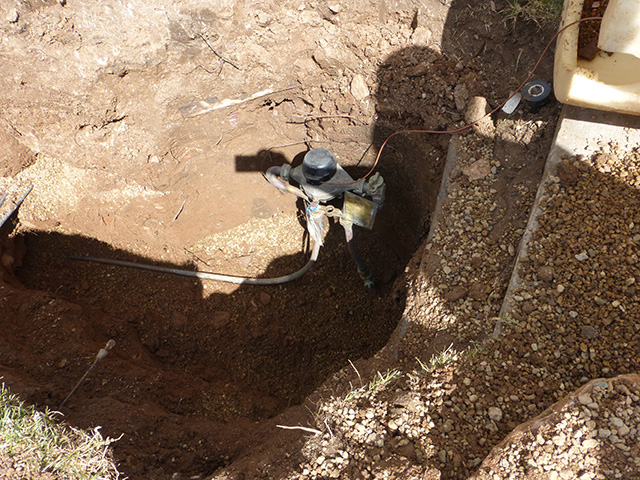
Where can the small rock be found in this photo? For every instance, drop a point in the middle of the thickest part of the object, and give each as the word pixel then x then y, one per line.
pixel 582 256
pixel 528 307
pixel 359 88
pixel 567 474
pixel 545 274
pixel 263 18
pixel 477 170
pixel 417 70
pixel 495 414
pixel 604 433
pixel 326 62
pixel 477 110
pixel 421 36
pixel 455 293
pixel 585 399
pixel 568 173
pixel 559 440
pixel 442 456
pixel 460 95
pixel 616 422
pixel 265 298
pixel 590 443
pixel 589 332
pixel 12 16
pixel 478 292
pixel 6 260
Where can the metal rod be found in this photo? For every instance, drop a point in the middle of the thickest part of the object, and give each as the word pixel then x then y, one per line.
pixel 17 203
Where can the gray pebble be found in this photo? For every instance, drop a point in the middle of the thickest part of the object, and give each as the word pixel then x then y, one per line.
pixel 589 332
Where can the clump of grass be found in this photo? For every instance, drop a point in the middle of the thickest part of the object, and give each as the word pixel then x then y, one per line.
pixel 540 11
pixel 379 380
pixel 34 443
pixel 444 358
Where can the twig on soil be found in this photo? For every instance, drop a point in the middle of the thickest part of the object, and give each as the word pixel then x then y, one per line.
pixel 173 156
pixel 301 142
pixel 306 429
pixel 515 71
pixel 357 372
pixel 224 60
pixel 364 154
pixel 180 210
pixel 211 72
pixel 328 427
pixel 200 107
pixel 190 252
pixel 311 118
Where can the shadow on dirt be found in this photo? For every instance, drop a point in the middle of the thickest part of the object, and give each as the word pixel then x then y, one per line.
pixel 190 370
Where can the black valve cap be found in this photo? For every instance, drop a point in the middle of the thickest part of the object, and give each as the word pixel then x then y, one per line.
pixel 536 93
pixel 319 164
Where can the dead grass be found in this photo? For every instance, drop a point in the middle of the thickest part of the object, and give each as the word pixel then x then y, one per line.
pixel 543 12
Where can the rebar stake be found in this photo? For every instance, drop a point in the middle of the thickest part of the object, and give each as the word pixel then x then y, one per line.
pixel 101 354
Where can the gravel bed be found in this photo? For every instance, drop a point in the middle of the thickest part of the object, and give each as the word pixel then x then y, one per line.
pixel 575 318
pixel 591 434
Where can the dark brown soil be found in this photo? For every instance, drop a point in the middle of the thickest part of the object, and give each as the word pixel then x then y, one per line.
pixel 589 30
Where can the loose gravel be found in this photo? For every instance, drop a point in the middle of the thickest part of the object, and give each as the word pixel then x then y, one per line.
pixel 574 318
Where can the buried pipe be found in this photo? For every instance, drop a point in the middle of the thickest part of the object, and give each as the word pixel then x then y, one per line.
pixel 208 275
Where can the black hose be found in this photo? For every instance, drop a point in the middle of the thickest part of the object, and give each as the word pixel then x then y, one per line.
pixel 208 275
pixel 363 269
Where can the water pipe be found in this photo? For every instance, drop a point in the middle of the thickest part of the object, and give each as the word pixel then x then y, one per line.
pixel 207 275
pixel 274 177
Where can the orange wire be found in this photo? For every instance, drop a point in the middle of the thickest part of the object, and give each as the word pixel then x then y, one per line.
pixel 469 125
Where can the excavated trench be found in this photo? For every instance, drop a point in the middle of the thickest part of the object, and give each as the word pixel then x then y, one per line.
pixel 197 365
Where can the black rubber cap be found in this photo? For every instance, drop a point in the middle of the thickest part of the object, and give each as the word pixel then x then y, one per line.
pixel 536 93
pixel 319 165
